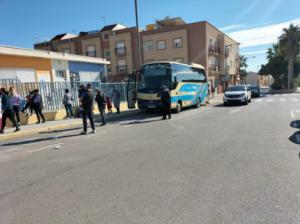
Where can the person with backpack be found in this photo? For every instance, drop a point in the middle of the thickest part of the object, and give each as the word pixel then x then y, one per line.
pixel 87 103
pixel 100 100
pixel 7 110
pixel 67 101
pixel 28 104
pixel 37 103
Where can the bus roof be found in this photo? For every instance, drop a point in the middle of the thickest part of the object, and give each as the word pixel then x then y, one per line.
pixel 174 62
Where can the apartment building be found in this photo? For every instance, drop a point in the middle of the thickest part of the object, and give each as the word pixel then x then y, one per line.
pixel 169 39
pixel 200 42
pixel 116 43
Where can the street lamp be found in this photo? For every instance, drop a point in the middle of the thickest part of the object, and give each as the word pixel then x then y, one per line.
pixel 138 34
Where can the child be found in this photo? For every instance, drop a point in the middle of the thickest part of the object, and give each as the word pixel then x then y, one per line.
pixel 108 104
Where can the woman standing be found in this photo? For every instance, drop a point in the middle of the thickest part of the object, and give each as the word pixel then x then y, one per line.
pixel 15 102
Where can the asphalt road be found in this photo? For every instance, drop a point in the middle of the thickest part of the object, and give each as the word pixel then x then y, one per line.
pixel 237 164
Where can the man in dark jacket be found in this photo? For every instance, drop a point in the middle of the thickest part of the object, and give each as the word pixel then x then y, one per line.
pixel 165 102
pixel 7 110
pixel 87 102
pixel 100 100
pixel 37 103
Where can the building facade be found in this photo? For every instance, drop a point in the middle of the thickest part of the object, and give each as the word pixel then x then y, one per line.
pixel 170 39
pixel 28 65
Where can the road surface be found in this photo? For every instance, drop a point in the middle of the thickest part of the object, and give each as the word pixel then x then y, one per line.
pixel 237 164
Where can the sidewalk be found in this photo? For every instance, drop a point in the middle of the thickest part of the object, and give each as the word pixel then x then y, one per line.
pixel 33 129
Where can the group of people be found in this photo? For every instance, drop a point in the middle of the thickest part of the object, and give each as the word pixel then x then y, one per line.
pixel 87 99
pixel 11 107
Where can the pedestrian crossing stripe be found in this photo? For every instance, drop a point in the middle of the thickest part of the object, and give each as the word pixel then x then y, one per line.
pixel 282 100
pixel 270 100
pixel 295 99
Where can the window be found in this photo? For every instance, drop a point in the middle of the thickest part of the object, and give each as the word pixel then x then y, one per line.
pixel 66 51
pixel 121 67
pixel 61 76
pixel 107 54
pixel 180 60
pixel 177 43
pixel 161 44
pixel 91 51
pixel 120 48
pixel 185 73
pixel 105 36
pixel 148 45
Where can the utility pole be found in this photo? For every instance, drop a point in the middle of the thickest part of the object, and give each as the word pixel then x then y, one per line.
pixel 138 34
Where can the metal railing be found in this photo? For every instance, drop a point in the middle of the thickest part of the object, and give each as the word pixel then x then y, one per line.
pixel 53 92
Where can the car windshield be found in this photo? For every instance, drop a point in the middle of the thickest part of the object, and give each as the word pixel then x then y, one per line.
pixel 236 88
pixel 253 87
pixel 155 75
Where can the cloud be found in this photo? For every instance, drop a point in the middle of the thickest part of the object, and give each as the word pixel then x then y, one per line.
pixel 261 35
pixel 232 27
pixel 253 52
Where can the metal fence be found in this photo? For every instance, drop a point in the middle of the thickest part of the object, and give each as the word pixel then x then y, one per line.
pixel 53 92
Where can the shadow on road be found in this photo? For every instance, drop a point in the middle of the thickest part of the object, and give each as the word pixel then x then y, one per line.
pixel 295 124
pixel 59 131
pixel 229 105
pixel 295 138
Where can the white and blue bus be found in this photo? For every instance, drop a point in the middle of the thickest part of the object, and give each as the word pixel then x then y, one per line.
pixel 187 83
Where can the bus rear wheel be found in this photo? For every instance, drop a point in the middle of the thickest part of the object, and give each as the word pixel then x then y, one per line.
pixel 178 107
pixel 198 103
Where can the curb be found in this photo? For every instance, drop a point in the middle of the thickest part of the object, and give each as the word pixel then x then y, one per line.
pixel 55 127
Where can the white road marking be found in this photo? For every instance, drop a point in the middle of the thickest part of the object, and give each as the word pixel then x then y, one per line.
pixel 275 95
pixel 285 94
pixel 270 100
pixel 282 99
pixel 235 111
pixel 295 99
pixel 258 100
pixel 292 114
pixel 45 147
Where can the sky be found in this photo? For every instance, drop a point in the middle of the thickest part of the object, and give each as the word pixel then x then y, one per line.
pixel 256 24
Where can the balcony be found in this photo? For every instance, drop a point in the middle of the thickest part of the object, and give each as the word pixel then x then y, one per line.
pixel 91 53
pixel 213 50
pixel 120 51
pixel 121 68
pixel 214 68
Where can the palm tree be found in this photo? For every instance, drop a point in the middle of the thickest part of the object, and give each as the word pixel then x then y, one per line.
pixel 289 45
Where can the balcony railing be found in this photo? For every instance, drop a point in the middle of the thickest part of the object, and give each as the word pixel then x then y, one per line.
pixel 120 51
pixel 214 68
pixel 91 53
pixel 121 68
pixel 213 50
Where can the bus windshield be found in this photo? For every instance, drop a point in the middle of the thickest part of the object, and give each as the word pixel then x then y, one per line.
pixel 155 75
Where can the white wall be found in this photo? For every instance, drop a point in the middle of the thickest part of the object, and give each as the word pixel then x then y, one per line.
pixel 60 65
pixel 23 75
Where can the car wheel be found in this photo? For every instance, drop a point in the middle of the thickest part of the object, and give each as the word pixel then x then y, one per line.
pixel 225 104
pixel 246 102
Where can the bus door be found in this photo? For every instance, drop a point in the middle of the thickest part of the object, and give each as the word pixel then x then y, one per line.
pixel 132 85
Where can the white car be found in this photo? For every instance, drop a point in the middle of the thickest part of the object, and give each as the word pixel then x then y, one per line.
pixel 237 94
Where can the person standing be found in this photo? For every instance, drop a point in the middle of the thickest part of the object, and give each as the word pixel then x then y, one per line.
pixel 37 103
pixel 28 104
pixel 15 101
pixel 100 100
pixel 165 102
pixel 7 110
pixel 213 91
pixel 67 101
pixel 116 98
pixel 87 103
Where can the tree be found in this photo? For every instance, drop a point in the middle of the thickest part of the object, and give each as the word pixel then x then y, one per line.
pixel 242 66
pixel 289 46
